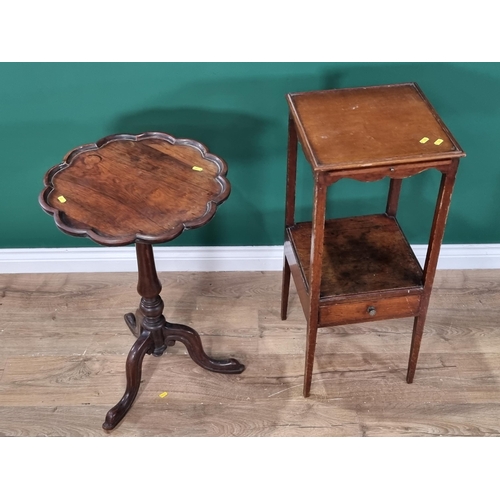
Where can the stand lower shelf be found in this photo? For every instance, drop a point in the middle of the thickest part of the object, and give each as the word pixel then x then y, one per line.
pixel 369 271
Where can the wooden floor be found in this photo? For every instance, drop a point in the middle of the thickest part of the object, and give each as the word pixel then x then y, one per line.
pixel 63 345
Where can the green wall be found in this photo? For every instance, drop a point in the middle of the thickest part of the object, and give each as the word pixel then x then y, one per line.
pixel 239 111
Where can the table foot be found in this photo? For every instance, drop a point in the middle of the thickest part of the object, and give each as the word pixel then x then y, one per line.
pixel 418 330
pixel 133 322
pixel 191 339
pixel 285 289
pixel 143 345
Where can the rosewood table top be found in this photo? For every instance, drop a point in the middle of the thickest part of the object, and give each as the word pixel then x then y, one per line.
pixel 135 188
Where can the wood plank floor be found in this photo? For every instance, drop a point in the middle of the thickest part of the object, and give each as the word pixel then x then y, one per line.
pixel 63 345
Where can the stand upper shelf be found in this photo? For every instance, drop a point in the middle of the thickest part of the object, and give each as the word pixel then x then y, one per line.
pixel 364 127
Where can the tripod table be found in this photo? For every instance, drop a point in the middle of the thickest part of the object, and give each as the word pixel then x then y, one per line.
pixel 140 189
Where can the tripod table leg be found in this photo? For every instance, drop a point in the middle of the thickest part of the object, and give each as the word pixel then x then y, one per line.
pixel 144 344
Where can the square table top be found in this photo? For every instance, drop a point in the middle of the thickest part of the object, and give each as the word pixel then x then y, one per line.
pixel 370 126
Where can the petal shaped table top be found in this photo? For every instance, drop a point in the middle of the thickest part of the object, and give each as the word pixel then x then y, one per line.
pixel 143 188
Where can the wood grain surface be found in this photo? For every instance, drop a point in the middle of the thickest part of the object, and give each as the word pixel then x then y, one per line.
pixel 369 126
pixel 64 343
pixel 361 254
pixel 127 188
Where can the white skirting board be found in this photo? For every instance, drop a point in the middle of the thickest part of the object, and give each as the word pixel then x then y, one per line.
pixel 230 258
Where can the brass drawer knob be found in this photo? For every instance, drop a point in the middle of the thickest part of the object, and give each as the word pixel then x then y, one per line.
pixel 371 311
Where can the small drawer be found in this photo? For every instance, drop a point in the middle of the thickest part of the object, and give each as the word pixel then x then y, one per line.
pixel 357 311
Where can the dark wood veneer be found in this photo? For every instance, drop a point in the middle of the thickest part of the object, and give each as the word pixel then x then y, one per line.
pixel 135 188
pixel 361 254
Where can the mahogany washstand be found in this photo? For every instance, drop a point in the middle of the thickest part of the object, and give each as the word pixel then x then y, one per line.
pixel 357 269
pixel 140 189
